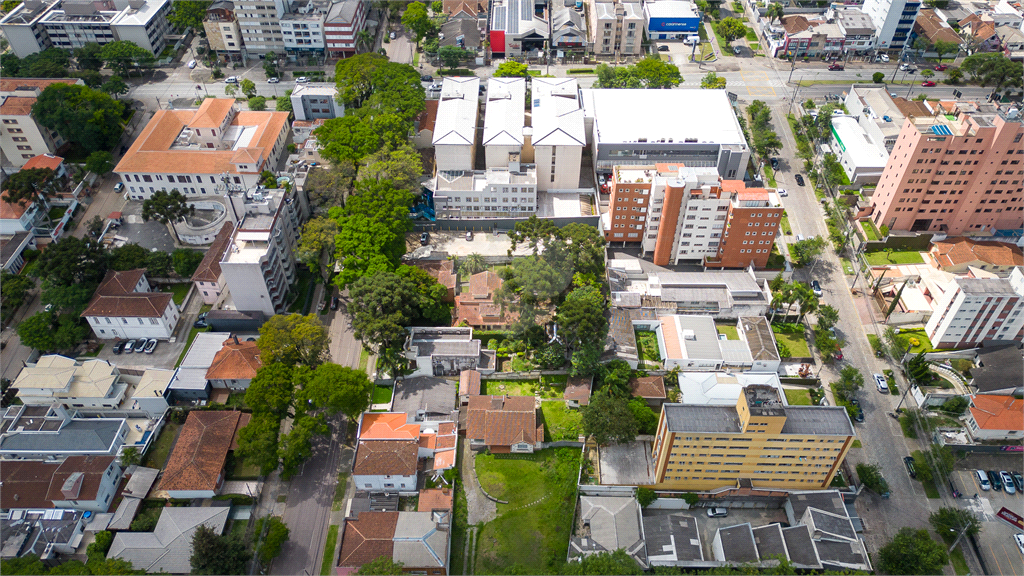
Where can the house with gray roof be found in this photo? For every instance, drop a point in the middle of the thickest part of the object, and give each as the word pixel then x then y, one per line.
pixel 607 524
pixel 446 352
pixel 50 432
pixel 426 398
pixel 672 538
pixel 46 533
pixel 168 547
pixel 189 382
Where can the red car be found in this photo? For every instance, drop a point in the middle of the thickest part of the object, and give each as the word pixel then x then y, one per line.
pixel 835 67
pixel 927 83
pixel 941 67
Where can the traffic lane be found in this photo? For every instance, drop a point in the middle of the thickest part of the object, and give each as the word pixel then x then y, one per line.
pixel 998 549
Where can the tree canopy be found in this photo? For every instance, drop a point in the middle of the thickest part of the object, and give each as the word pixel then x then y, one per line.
pixel 80 114
pixel 415 18
pixel 214 553
pixel 336 389
pixel 371 230
pixel 511 69
pixel 34 185
pixel 651 72
pixel 188 14
pixel 403 166
pixel 271 390
pixel 49 63
pixel 123 55
pixel 167 207
pixel 580 318
pixel 608 419
pixel 294 339
pixel 992 69
pixel 381 307
pixel 382 566
pixel 912 552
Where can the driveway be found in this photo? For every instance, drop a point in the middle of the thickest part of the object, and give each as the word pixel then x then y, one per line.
pixel 481 509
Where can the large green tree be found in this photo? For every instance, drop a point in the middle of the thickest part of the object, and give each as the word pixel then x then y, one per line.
pixel 274 533
pixel 99 162
pixel 72 261
pixel 403 166
pixel 297 445
pixel 432 308
pixel 415 18
pixel 731 28
pixel 381 306
pixel 37 332
pixel 49 63
pixel 115 86
pixel 371 230
pixel 31 186
pixel 124 55
pixel 651 72
pixel 294 339
pixel 88 117
pixel 950 522
pixel 213 553
pixel 89 56
pixel 912 552
pixel 336 389
pixel 581 318
pixel 316 245
pixel 185 261
pixel 271 390
pixel 188 14
pixel 128 257
pixel 258 441
pixel 328 187
pixel 992 69
pixel 14 288
pixel 607 419
pixel 167 208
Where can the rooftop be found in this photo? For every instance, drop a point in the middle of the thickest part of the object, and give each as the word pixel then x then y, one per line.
pixel 387 426
pixel 386 457
pixel 420 540
pixel 998 412
pixel 503 420
pixel 738 544
pixel 116 298
pixel 236 360
pixel 43 161
pixel 457 112
pixel 633 116
pixel 864 152
pixel 197 458
pixel 628 464
pixel 721 388
pixel 647 386
pixel 65 378
pixel 367 538
pixel 610 523
pixel 963 250
pixel 168 548
pixel 557 112
pixel 999 368
pixel 435 396
pixel 671 537
pixel 504 115
pixel 209 268
pixel 578 388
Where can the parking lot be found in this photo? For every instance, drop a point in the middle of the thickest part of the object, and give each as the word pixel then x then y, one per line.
pixel 998 549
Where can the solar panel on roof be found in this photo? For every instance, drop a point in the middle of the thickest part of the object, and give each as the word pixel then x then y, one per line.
pixel 941 130
pixel 513 16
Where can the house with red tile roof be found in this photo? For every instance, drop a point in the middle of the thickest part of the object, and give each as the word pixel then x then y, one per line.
pixel 208 278
pixel 86 483
pixel 124 307
pixel 55 163
pixel 390 447
pixel 18 217
pixel 195 468
pixel 469 385
pixel 503 424
pixel 650 388
pixel 418 540
pixel 577 391
pixel 476 306
pixel 235 364
pixel 996 417
pixel 435 499
pixel 956 255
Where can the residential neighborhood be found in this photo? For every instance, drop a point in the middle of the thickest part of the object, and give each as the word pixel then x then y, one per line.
pixel 510 287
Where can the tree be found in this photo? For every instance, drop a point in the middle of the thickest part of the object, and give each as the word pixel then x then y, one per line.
pixel 646 419
pixel 912 552
pixel 36 331
pixel 317 244
pixel 927 73
pixel 775 12
pixel 712 81
pixel 188 14
pixel 123 55
pixel 92 78
pixel 284 103
pixel 328 187
pixel 653 72
pixel 645 496
pixel 828 317
pixel 416 19
pixel 403 166
pixel 297 446
pixel 101 545
pixel 878 77
pixel 89 56
pixel 472 264
pixel 806 249
pixel 949 522
pixel 167 208
pixel 437 7
pixel 115 86
pixel 919 369
pixel 922 44
pixel 130 457
pixel 871 476
pixel 294 339
pixel 510 69
pixel 257 103
pixel 354 137
pixel 159 264
pixel 257 441
pixel 14 288
pixel 451 55
pixel 248 87
pixel 767 143
pixel 431 295
pixel 99 162
pixel 955 74
pixel 896 300
pixel 337 389
pixel 826 344
pixel 72 261
pixel 603 563
pixel 50 63
pixel 580 318
pixel 213 553
pixel 231 90
pixel 382 305
pixel 382 565
pixel 271 390
pixel 70 332
pixel 186 260
pixel 731 29
pixel 32 186
pixel 275 534
pixel 608 419
pixel 850 380
pixel 992 68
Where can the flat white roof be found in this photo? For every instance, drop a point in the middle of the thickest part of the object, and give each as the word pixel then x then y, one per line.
pixel 703 116
pixel 457 112
pixel 504 115
pixel 557 113
pixel 863 152
pixel 315 89
pixel 673 9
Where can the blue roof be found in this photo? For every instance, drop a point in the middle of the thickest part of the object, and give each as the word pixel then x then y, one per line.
pixel 941 130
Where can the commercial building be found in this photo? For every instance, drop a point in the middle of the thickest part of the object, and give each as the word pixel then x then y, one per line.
pixel 893 20
pixel 862 158
pixel 492 193
pixel 958 255
pixel 857 28
pixel 504 120
pixel 877 114
pixel 344 21
pixel 636 128
pixel 568 28
pixel 315 101
pixel 223 31
pixel 978 310
pixel 956 171
pixel 22 137
pixel 616 27
pixel 671 19
pixel 557 134
pixel 455 128
pixel 722 294
pixel 516 28
pixel 214 149
pixel 761 442
pixel 796 35
pixel 123 306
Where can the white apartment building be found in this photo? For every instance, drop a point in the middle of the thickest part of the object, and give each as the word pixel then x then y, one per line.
pixel 260 23
pixel 456 125
pixel 222 30
pixel 978 310
pixel 893 20
pixel 124 307
pixel 21 137
pixel 877 114
pixel 259 262
pixel 504 120
pixel 303 28
pixel 316 100
pixel 494 193
pixel 54 378
pixel 23 27
pixel 71 24
pixel 558 135
pixel 344 20
pixel 616 27
pixel 208 151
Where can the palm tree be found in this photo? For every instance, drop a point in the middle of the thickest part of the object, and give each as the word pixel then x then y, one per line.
pixel 775 12
pixel 472 264
pixel 364 38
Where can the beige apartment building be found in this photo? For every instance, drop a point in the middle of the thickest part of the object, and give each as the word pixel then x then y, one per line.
pixel 957 170
pixel 616 27
pixel 761 440
pixel 260 23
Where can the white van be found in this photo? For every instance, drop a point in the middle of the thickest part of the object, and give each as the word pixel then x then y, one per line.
pixel 983 480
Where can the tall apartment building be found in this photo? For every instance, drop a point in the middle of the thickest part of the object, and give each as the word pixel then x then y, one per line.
pixel 504 120
pixel 21 137
pixel 679 214
pixel 760 440
pixel 492 193
pixel 23 27
pixel 259 263
pixel 222 30
pixel 977 310
pixel 260 23
pixel 893 20
pixel 557 134
pixel 956 171
pixel 303 28
pixel 616 27
pixel 455 128
pixel 343 22
pixel 71 24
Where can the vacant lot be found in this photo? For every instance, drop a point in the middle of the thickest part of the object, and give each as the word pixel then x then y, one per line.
pixel 522 388
pixel 884 258
pixel 560 421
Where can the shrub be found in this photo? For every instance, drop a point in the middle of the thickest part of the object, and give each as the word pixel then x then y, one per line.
pixel 883 230
pixel 871 476
pixel 914 342
pixel 878 77
pixel 690 498
pixel 645 496
pixel 581 70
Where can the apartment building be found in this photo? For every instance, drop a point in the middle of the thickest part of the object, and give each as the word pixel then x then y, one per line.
pixel 303 28
pixel 259 262
pixel 260 24
pixel 616 28
pixel 957 171
pixel 979 310
pixel 557 134
pixel 71 24
pixel 222 31
pixel 876 113
pixel 455 128
pixel 893 20
pixel 680 214
pixel 492 193
pixel 517 28
pixel 644 127
pixel 23 27
pixel 54 378
pixel 22 138
pixel 343 22
pixel 504 120
pixel 315 101
pixel 211 150
pixel 671 19
pixel 760 440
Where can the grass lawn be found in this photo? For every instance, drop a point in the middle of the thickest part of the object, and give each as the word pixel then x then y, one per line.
pixel 238 528
pixel 300 289
pixel 908 427
pixel 848 268
pixel 729 330
pixel 769 176
pixel 880 258
pixel 647 345
pixel 856 444
pixel 924 344
pixel 930 490
pixel 534 538
pixel 755 46
pixel 956 558
pixel 876 342
pixel 869 230
pixel 784 224
pixel 706 50
pixel 797 397
pixel 188 343
pixel 179 291
pixel 460 522
pixel 160 448
pixel 382 394
pixel 329 546
pixel 364 359
pixel 792 335
pixel 519 388
pixel 560 421
pixel 239 469
pixel 339 492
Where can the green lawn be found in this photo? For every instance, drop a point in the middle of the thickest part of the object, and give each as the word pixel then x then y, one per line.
pixel 880 258
pixel 560 421
pixel 769 176
pixel 519 388
pixel 160 448
pixel 239 469
pixel 647 346
pixel 956 558
pixel 460 521
pixel 364 359
pixel 869 230
pixel 908 427
pixel 729 330
pixel 792 335
pixel 784 224
pixel 329 545
pixel 339 492
pixel 382 394
pixel 532 538
pixel 848 268
pixel 797 397
pixel 876 343
pixel 924 344
pixel 856 444
pixel 179 291
pixel 188 343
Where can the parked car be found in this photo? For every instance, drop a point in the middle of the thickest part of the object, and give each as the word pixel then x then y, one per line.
pixel 150 345
pixel 775 163
pixel 301 80
pixel 118 347
pixel 928 83
pixel 995 480
pixel 858 411
pixel 424 239
pixel 718 512
pixel 191 64
pixel 1018 481
pixel 1019 539
pixel 119 186
pixel 663 48
pixel 941 67
pixel 799 180
pixel 231 80
pixel 816 288
pixel 335 302
pixel 884 57
pixel 836 66
pixel 140 345
pixel 783 193
pixel 392 36
pixel 908 463
pixel 880 383
pixel 982 479
pixel 200 324
pixel 601 179
pixel 426 78
pixel 839 354
pixel 469 236
pixel 436 86
pixel 1007 482
pixel 736 50
pixel 274 80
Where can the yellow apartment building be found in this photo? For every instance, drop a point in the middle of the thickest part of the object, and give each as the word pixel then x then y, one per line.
pixel 760 439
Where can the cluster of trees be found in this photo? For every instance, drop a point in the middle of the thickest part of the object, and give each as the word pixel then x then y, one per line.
pixel 613 414
pixel 188 14
pixel 96 562
pixel 214 553
pixel 789 293
pixel 993 69
pixel 912 552
pixel 827 343
pixel 712 81
pixel 90 118
pixel 511 69
pixel 730 29
pixel 765 140
pixel 651 72
pixel 419 21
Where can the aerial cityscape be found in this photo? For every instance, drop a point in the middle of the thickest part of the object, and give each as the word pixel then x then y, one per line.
pixel 463 287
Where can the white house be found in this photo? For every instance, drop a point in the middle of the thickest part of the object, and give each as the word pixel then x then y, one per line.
pixel 386 466
pixel 92 384
pixel 124 307
pixel 504 120
pixel 151 393
pixel 995 417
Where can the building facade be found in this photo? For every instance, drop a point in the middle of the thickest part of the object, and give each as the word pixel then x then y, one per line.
pixel 977 310
pixel 23 27
pixel 893 20
pixel 124 307
pixel 344 21
pixel 616 28
pixel 862 158
pixel 52 378
pixel 504 120
pixel 957 171
pixel 516 28
pixel 223 31
pixel 260 23
pixel 36 25
pixel 22 138
pixel 455 130
pixel 492 193
pixel 315 101
pixel 303 28
pixel 558 135
pixel 671 19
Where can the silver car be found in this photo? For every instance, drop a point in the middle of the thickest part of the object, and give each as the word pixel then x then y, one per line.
pixel 880 383
pixel 718 512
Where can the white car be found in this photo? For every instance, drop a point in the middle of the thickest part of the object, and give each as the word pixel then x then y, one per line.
pixel 231 80
pixel 904 66
pixel 880 383
pixel 783 193
pixel 435 87
pixel 391 36
pixel 273 80
pixel 1019 539
pixel 884 57
pixel 191 64
pixel 119 186
pixel 301 80
pixel 718 512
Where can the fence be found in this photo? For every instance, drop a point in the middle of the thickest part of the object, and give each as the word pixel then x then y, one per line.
pixel 561 444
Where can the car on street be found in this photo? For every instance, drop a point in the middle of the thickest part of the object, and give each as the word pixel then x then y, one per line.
pixel 191 64
pixel 858 411
pixel 836 67
pixel 928 83
pixel 1007 482
pixel 424 239
pixel 816 288
pixel 783 193
pixel 119 186
pixel 908 463
pixel 775 163
pixel 718 512
pixel 880 383
pixel 140 345
pixel 884 57
pixel 335 302
pixel 274 80
pixel 799 179
pixel 301 80
pixel 426 78
pixel 904 66
pixel 469 236
pixel 435 87
pixel 150 346
pixel 736 50
pixel 118 347
pixel 940 67
pixel 995 480
pixel 1018 481
pixel 663 48
pixel 231 80
pixel 129 347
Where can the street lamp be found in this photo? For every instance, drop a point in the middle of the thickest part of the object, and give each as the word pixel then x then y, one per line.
pixel 958 537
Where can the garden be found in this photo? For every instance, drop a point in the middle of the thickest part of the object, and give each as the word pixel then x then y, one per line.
pixel 790 337
pixel 560 421
pixel 887 257
pixel 647 346
pixel 797 396
pixel 729 330
pixel 381 395
pixel 545 387
pixel 160 449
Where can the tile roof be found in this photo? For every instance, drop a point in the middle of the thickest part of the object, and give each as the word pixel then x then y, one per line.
pixel 116 297
pixel 17 106
pixel 13 84
pixel 444 459
pixel 387 426
pixel 476 306
pixel 428 118
pixel 934 28
pixel 435 499
pixel 92 469
pixel 236 360
pixel 25 483
pixel 962 250
pixel 198 455
pixel 209 268
pixel 43 161
pixel 795 23
pixel 578 388
pixel 386 457
pixel 441 270
pixel 211 113
pixel 368 537
pixel 503 420
pixel 998 412
pixel 469 383
pixel 11 210
pixel 648 387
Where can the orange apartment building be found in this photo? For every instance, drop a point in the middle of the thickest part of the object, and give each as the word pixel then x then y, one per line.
pixel 956 171
pixel 679 214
